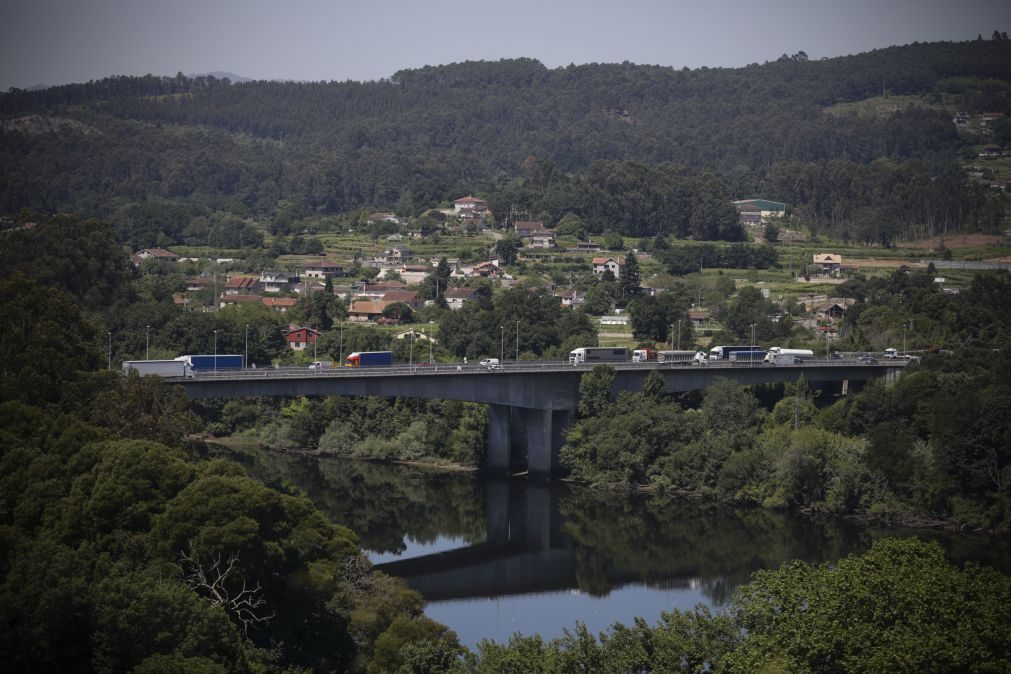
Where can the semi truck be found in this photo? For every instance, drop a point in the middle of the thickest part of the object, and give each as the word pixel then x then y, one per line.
pixel 369 359
pixel 756 356
pixel 777 355
pixel 723 352
pixel 212 362
pixel 598 354
pixel 644 355
pixel 162 368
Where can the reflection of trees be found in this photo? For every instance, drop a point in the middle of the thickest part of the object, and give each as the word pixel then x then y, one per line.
pixel 381 503
pixel 656 538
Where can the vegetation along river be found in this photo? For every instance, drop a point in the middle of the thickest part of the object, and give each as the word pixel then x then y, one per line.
pixel 497 557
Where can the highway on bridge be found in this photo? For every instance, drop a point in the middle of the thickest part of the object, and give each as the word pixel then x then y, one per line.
pixel 531 403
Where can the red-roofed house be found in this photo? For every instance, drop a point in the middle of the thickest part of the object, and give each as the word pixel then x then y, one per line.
pixel 469 205
pixel 241 285
pixel 299 338
pixel 279 304
pixel 235 299
pixel 408 297
pixel 364 311
pixel 457 297
pixel 160 254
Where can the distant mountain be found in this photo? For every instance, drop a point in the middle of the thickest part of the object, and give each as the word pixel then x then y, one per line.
pixel 221 74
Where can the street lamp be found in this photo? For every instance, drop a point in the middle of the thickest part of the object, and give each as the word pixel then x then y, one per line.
pixel 679 334
pixel 340 356
pixel 517 341
pixel 430 327
pixel 501 346
pixel 215 352
pixel 752 334
pixel 110 349
pixel 245 353
pixel 147 342
pixel 411 360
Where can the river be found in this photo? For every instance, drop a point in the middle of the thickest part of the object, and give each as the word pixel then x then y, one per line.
pixel 493 558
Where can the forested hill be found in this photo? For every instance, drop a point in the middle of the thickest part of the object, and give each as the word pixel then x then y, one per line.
pixel 434 133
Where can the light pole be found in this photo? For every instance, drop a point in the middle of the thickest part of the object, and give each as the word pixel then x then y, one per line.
pixel 147 344
pixel 501 346
pixel 903 340
pixel 411 361
pixel 245 353
pixel 672 335
pixel 110 349
pixel 215 352
pixel 517 341
pixel 431 361
pixel 752 334
pixel 340 356
pixel 679 334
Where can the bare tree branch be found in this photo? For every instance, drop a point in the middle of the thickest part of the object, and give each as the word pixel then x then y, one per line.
pixel 209 577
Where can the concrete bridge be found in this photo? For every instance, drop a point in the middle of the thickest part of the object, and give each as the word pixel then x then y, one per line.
pixel 530 404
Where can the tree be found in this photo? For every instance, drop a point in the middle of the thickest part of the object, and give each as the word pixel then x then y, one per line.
pixel 595 390
pixel 876 612
pixel 630 277
pixel 507 249
pixel 771 233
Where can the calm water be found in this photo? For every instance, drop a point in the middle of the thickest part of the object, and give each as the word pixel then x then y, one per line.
pixel 493 558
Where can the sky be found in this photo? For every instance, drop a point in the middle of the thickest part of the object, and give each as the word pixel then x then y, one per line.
pixel 49 42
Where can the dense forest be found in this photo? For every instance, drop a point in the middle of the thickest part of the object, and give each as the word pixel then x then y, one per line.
pixel 636 149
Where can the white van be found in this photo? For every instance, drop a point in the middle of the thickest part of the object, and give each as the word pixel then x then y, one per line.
pixel 490 363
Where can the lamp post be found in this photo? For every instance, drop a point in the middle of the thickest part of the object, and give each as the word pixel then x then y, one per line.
pixel 431 360
pixel 245 353
pixel 215 352
pixel 501 346
pixel 679 334
pixel 147 344
pixel 903 340
pixel 517 342
pixel 340 356
pixel 411 360
pixel 672 335
pixel 752 334
pixel 110 350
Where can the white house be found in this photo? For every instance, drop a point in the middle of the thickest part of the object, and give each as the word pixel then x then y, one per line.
pixel 605 264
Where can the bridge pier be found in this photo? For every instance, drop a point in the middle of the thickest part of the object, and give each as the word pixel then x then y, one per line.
pixel 518 433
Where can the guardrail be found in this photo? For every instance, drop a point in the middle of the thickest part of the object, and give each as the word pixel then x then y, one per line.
pixel 402 369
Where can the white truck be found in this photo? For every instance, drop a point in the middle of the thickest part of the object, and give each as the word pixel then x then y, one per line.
pixel 676 357
pixel 891 353
pixel 162 368
pixel 781 358
pixel 798 354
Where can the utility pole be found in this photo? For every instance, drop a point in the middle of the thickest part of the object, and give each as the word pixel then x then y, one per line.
pixel 501 347
pixel 147 343
pixel 679 334
pixel 245 353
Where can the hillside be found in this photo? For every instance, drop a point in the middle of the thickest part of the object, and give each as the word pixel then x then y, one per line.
pixel 171 150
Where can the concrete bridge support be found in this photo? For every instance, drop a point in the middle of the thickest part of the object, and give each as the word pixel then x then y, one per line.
pixel 525 436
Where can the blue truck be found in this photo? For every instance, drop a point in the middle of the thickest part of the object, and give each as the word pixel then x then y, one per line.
pixel 757 356
pixel 210 362
pixel 723 352
pixel 369 359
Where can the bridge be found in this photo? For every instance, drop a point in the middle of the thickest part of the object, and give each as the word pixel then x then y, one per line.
pixel 530 403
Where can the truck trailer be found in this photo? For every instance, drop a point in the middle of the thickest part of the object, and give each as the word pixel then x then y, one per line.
pixel 676 357
pixel 748 356
pixel 213 362
pixel 799 354
pixel 781 358
pixel 598 354
pixel 162 368
pixel 369 359
pixel 723 352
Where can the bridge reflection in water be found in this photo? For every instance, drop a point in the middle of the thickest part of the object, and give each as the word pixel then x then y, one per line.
pixel 527 551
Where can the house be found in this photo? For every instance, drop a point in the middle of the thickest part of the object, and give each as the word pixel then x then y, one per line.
pixel 322 269
pixel 766 209
pixel 309 286
pixel 543 239
pixel 384 217
pixel 160 254
pixel 364 311
pixel 235 299
pixel 834 309
pixel 394 256
pixel 605 264
pixel 469 206
pixel 377 290
pixel 828 262
pixel 415 273
pixel 280 304
pixel 457 297
pixel 698 317
pixel 408 297
pixel 241 285
pixel 299 338
pixel 196 283
pixel 487 270
pixel 525 230
pixel 587 246
pixel 749 214
pixel 571 298
pixel 274 281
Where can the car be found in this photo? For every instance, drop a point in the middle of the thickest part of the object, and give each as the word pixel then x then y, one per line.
pixel 835 355
pixel 488 362
pixel 495 366
pixel 869 360
pixel 316 365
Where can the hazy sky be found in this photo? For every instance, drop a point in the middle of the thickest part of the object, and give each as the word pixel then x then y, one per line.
pixel 59 41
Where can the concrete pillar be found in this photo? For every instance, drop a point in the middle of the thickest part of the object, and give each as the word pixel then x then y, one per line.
pixel 497 510
pixel 540 461
pixel 518 438
pixel 498 439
